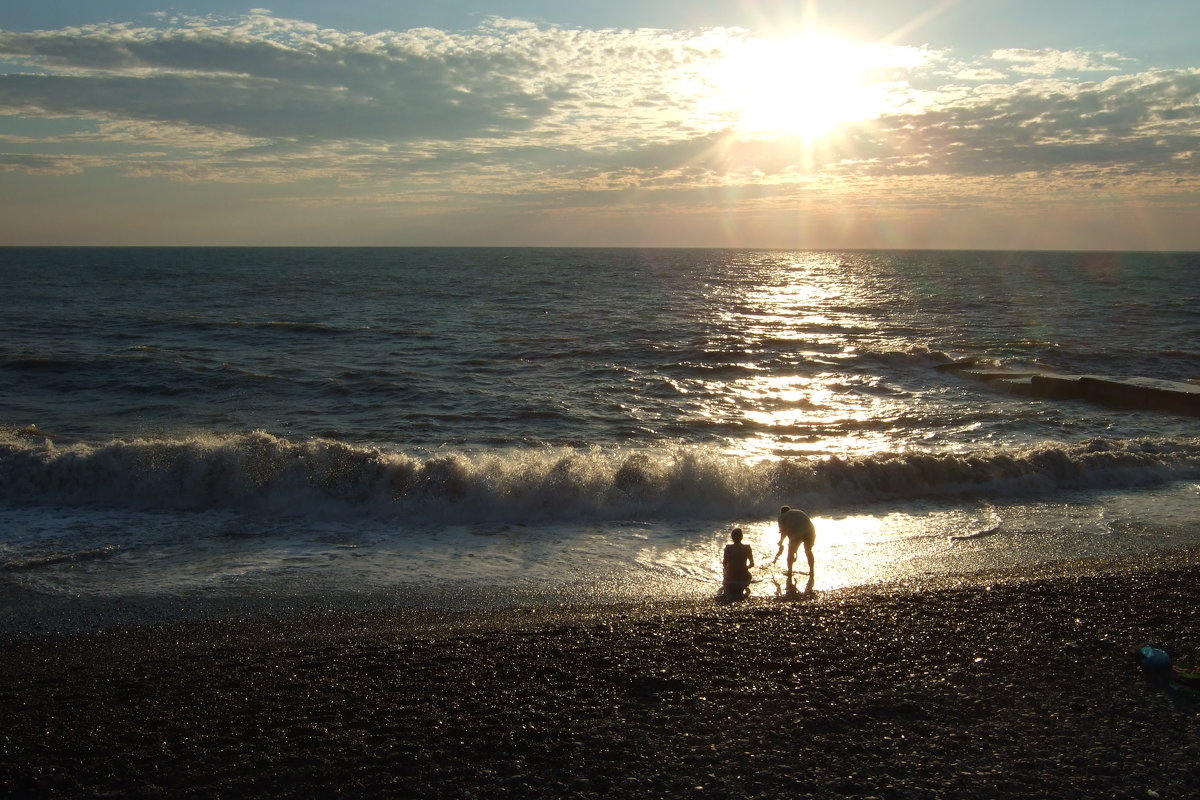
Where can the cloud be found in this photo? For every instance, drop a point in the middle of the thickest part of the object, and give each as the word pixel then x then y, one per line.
pixel 46 165
pixel 979 74
pixel 516 109
pixel 1049 62
pixel 1141 121
pixel 269 79
pixel 288 85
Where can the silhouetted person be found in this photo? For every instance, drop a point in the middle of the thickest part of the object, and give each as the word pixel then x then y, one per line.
pixel 738 560
pixel 796 528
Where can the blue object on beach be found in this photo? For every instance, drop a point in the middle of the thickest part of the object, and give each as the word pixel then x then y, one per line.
pixel 1155 658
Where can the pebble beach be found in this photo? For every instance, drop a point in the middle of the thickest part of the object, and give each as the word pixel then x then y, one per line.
pixel 989 686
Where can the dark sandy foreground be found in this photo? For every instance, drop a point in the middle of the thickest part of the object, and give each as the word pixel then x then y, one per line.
pixel 1006 689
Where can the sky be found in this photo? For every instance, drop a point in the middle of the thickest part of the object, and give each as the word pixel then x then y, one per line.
pixel 946 124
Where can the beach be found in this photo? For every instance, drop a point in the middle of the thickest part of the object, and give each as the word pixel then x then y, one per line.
pixel 997 685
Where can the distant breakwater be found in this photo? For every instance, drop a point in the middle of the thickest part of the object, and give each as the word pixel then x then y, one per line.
pixel 1122 392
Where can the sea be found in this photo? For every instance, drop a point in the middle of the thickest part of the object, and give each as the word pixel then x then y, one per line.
pixel 198 432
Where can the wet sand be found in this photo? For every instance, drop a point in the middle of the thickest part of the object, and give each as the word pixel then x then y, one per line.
pixel 993 686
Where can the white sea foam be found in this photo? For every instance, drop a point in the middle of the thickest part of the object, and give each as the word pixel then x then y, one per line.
pixel 269 475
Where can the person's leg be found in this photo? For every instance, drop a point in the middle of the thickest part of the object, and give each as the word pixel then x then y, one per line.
pixel 808 553
pixel 791 555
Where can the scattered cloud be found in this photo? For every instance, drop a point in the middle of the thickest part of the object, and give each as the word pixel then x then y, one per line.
pixel 46 165
pixel 517 110
pixel 1050 62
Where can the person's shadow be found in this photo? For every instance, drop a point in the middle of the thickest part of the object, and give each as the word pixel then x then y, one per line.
pixel 789 591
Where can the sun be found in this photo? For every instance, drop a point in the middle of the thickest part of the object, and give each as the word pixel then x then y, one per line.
pixel 805 86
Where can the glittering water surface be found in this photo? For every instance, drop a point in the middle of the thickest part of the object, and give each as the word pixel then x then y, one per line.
pixel 578 421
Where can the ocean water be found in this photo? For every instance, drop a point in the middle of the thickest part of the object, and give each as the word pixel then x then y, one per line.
pixel 190 431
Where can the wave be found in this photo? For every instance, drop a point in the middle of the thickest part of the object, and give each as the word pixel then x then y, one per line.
pixel 264 474
pixel 44 364
pixel 287 326
pixel 31 563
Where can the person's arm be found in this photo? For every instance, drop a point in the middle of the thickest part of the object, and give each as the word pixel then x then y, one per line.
pixel 779 552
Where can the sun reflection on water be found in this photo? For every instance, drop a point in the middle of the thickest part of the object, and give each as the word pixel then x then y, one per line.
pixel 798 328
pixel 858 549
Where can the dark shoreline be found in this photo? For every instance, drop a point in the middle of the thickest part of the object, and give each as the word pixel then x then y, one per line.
pixel 988 686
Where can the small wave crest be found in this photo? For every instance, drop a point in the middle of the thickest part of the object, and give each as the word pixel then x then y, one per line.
pixel 44 364
pixel 30 563
pixel 261 473
pixel 279 325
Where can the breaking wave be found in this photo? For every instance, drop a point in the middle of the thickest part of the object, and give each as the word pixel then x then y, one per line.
pixel 261 473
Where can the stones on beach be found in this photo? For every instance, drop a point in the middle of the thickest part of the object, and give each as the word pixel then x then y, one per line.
pixel 856 694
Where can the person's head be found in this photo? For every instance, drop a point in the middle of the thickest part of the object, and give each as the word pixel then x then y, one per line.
pixel 736 535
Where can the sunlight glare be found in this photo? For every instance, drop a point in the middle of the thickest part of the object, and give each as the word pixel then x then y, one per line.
pixel 805 86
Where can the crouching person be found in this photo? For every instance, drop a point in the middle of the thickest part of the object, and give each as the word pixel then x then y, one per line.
pixel 738 560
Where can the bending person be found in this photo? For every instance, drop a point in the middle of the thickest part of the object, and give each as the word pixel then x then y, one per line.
pixel 796 528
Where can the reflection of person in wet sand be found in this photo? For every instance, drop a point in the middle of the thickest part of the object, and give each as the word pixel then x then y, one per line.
pixel 791 591
pixel 796 528
pixel 737 561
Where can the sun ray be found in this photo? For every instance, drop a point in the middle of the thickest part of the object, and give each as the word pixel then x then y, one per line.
pixel 804 86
